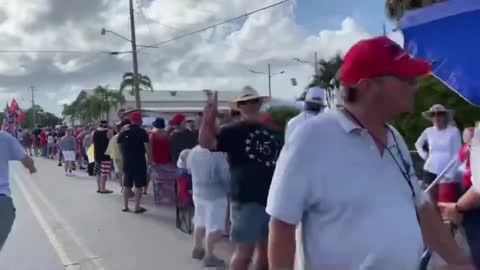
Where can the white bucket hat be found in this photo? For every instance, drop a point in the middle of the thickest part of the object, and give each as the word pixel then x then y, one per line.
pixel 315 94
pixel 438 108
pixel 248 93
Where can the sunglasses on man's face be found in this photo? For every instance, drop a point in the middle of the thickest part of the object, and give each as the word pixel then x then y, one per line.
pixel 409 81
pixel 438 114
pixel 250 101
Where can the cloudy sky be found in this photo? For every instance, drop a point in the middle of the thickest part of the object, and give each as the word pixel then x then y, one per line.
pixel 216 59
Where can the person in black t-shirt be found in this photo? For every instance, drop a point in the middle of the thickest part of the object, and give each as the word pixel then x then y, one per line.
pixel 252 150
pixel 181 138
pixel 103 163
pixel 134 149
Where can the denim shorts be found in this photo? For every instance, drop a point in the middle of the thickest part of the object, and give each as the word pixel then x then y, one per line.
pixel 249 223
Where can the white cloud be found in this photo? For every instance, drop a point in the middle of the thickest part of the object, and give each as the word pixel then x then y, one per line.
pixel 215 59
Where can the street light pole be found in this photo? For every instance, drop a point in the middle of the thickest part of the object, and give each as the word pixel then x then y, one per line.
pixel 136 87
pixel 34 111
pixel 269 82
pixel 315 59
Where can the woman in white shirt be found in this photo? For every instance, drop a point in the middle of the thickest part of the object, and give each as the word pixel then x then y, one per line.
pixel 444 143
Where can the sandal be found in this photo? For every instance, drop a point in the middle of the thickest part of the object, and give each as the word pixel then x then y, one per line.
pixel 106 192
pixel 125 210
pixel 141 210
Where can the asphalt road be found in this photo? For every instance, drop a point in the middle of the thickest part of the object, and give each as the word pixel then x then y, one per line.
pixel 62 223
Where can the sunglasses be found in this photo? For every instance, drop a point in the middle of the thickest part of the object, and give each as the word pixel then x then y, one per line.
pixel 409 81
pixel 250 101
pixel 438 114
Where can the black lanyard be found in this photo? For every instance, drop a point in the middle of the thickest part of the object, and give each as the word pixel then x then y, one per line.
pixel 406 166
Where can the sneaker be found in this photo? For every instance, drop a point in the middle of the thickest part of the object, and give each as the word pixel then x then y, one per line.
pixel 213 261
pixel 198 254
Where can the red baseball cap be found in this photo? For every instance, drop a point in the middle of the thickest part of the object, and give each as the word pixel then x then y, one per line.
pixel 136 117
pixel 178 119
pixel 380 56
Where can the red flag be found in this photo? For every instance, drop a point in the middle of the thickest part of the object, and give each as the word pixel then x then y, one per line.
pixel 13 106
pixel 20 115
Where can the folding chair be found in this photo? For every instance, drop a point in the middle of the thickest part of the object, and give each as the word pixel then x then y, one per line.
pixel 184 204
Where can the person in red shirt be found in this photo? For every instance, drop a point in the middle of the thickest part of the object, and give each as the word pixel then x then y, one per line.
pixel 163 171
pixel 465 212
pixel 42 138
pixel 27 140
pixel 464 156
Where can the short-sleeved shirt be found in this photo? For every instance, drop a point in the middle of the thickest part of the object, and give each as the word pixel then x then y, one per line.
pixel 132 142
pixel 68 143
pixel 355 206
pixel 11 150
pixel 297 121
pixel 100 143
pixel 181 140
pixel 252 150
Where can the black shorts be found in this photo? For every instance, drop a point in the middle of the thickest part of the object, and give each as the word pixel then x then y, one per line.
pixel 428 178
pixel 135 176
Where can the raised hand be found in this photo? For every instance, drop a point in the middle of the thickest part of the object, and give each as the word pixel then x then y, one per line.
pixel 210 111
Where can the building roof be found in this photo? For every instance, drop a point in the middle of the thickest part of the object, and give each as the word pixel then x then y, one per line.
pixel 177 95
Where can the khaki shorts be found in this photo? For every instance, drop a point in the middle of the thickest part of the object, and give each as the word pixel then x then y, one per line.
pixel 7 216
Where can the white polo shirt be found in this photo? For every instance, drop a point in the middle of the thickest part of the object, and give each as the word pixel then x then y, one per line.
pixel 355 207
pixel 297 121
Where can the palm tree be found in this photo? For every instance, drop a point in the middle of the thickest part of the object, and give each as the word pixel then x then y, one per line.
pixel 144 83
pixel 106 99
pixel 396 8
pixel 327 77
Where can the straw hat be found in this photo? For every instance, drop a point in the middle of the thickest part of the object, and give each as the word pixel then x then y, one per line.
pixel 248 93
pixel 438 108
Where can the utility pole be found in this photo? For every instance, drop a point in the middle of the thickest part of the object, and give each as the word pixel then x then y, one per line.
pixel 136 87
pixel 269 75
pixel 315 63
pixel 269 81
pixel 34 110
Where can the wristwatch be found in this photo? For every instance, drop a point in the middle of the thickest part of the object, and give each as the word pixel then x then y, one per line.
pixel 459 209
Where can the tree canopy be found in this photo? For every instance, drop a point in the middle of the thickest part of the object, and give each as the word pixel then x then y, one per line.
pixel 144 82
pixel 396 8
pixel 431 91
pixel 90 107
pixel 43 118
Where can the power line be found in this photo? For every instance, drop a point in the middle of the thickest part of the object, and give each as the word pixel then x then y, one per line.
pixel 152 20
pixel 146 20
pixel 220 23
pixel 50 51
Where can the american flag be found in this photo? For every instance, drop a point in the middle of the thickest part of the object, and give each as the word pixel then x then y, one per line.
pixel 13 115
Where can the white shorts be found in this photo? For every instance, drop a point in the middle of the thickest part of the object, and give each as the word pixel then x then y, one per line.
pixel 68 155
pixel 210 214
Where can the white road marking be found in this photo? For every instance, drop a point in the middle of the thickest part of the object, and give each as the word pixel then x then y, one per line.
pixel 51 236
pixel 97 261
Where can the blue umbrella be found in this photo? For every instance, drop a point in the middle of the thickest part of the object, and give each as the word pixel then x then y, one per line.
pixel 448 35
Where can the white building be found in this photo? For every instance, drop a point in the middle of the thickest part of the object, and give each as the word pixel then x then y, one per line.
pixel 166 103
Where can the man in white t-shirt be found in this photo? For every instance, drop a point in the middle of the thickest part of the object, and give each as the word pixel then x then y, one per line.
pixel 11 150
pixel 357 198
pixel 314 104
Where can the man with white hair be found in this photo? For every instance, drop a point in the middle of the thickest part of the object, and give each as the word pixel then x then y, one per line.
pixel 313 105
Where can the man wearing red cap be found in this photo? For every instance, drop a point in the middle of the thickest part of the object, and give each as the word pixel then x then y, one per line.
pixel 134 145
pixel 181 138
pixel 357 198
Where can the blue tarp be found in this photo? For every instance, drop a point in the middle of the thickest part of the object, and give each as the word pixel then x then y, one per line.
pixel 448 35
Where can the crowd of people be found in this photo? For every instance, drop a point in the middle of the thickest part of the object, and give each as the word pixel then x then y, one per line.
pixel 337 190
